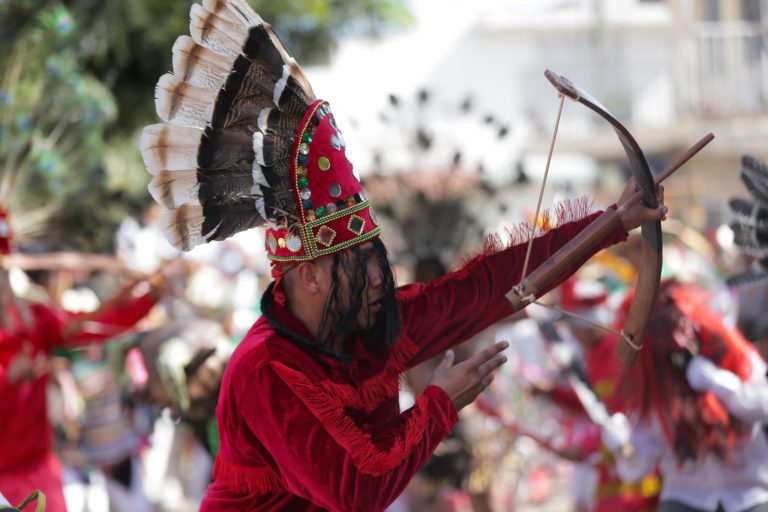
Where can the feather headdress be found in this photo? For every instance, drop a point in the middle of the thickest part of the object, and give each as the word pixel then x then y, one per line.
pixel 750 223
pixel 245 143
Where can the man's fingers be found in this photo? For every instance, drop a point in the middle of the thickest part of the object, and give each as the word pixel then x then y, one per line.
pixel 492 364
pixel 649 214
pixel 486 354
pixel 447 359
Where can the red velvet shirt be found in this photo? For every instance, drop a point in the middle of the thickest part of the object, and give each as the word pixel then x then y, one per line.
pixel 304 432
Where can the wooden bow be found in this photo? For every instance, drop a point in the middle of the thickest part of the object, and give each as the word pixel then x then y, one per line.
pixel 649 275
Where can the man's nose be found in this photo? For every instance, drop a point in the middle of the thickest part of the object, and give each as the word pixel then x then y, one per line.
pixel 374 276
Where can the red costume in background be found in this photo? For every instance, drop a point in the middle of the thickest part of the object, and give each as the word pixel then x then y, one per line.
pixel 604 370
pixel 302 431
pixel 26 459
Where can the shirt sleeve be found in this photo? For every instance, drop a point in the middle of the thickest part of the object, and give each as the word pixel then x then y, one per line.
pixel 648 446
pixel 331 458
pixel 8 390
pixel 113 321
pixel 443 313
pixel 745 399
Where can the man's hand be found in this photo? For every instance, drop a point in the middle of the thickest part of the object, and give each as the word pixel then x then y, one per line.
pixel 616 433
pixel 26 366
pixel 464 381
pixel 638 213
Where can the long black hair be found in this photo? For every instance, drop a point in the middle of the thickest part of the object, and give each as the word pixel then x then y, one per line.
pixel 338 321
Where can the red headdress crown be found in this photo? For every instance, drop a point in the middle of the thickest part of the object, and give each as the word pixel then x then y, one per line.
pixel 246 144
pixel 333 211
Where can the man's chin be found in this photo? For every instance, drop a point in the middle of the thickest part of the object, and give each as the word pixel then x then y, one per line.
pixel 368 324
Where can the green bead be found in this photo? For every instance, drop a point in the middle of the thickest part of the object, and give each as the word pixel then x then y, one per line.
pixel 303 182
pixel 320 211
pixel 306 138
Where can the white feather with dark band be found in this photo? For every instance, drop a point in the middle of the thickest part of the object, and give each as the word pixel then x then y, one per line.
pixel 173 189
pixel 183 226
pixel 169 147
pixel 215 33
pixel 179 102
pixel 198 65
pixel 235 11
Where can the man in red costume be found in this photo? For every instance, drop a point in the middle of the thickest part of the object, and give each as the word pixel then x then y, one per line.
pixel 308 411
pixel 29 332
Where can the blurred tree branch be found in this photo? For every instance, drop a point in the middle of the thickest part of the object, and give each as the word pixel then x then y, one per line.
pixel 78 80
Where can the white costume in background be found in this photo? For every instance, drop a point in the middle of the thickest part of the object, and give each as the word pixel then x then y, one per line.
pixel 737 485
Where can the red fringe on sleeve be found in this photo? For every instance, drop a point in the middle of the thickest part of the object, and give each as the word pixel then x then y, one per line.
pixel 261 480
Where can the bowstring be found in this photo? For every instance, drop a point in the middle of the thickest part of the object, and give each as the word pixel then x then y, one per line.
pixel 541 189
pixel 578 317
pixel 536 220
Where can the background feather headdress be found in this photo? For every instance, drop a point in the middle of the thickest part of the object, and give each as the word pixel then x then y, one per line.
pixel 750 224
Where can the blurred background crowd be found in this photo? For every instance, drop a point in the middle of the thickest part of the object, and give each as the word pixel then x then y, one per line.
pixel 448 116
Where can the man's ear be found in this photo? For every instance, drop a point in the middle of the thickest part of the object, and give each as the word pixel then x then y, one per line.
pixel 308 277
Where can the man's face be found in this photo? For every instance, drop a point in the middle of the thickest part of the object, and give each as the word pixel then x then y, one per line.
pixel 372 293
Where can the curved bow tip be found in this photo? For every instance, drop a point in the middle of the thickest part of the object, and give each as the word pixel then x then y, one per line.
pixel 563 85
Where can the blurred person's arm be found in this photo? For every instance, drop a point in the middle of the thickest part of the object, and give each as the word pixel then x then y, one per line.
pixel 745 399
pixel 118 314
pixel 646 442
